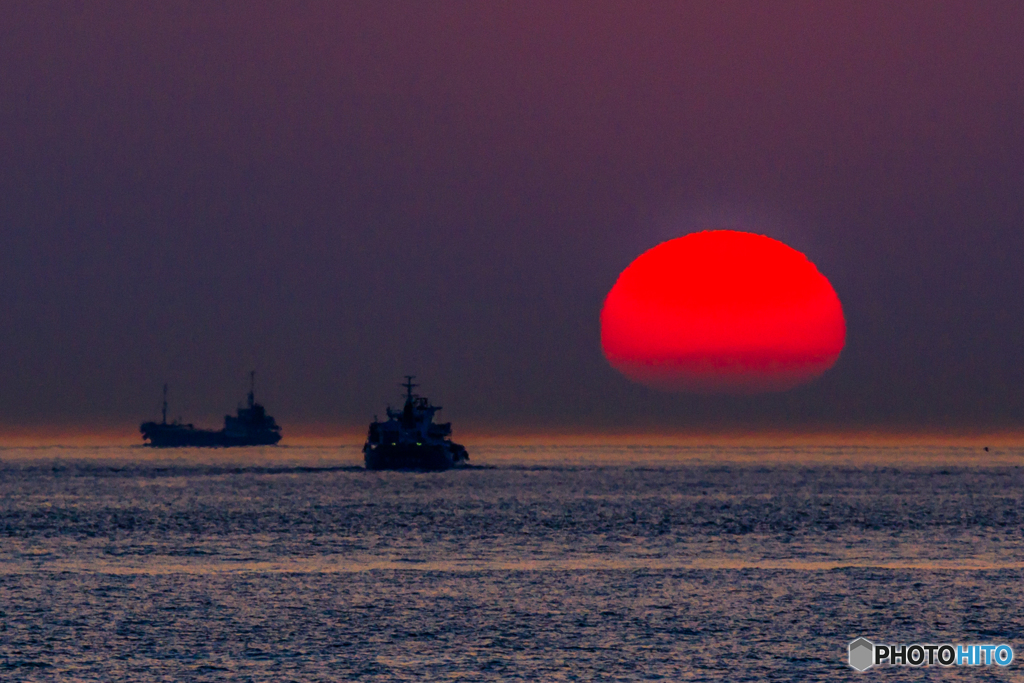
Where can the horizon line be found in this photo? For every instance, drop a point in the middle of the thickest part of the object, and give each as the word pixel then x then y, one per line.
pixel 327 436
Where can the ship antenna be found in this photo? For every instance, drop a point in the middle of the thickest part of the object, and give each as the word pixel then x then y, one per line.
pixel 165 403
pixel 252 387
pixel 408 387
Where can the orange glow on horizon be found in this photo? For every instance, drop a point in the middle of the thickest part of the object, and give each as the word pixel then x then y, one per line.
pixel 480 435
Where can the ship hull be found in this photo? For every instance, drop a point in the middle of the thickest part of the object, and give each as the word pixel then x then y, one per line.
pixel 160 436
pixel 409 457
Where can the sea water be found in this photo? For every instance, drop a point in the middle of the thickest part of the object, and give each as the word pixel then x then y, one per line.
pixel 537 563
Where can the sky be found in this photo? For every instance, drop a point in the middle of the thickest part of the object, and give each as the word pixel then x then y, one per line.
pixel 339 194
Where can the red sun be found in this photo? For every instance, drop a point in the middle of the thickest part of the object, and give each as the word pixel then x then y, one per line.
pixel 722 312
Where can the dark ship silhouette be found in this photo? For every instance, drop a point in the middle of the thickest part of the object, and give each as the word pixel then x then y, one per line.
pixel 251 427
pixel 409 439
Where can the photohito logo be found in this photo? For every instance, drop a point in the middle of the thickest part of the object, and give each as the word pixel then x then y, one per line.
pixel 864 654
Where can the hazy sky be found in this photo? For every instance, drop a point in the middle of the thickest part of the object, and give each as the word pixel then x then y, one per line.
pixel 337 194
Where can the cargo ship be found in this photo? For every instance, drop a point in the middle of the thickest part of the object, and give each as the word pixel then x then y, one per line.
pixel 250 427
pixel 410 439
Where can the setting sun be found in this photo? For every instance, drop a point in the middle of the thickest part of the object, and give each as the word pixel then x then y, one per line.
pixel 722 312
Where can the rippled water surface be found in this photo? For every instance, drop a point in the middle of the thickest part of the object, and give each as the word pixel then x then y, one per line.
pixel 548 564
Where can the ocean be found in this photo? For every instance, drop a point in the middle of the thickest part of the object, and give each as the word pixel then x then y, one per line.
pixel 536 563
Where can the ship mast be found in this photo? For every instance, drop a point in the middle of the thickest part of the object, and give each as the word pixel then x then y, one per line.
pixel 408 387
pixel 252 388
pixel 165 404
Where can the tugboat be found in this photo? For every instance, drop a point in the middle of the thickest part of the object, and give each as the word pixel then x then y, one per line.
pixel 409 439
pixel 251 427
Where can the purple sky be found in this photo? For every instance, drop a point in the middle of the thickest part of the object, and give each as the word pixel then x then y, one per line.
pixel 337 194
